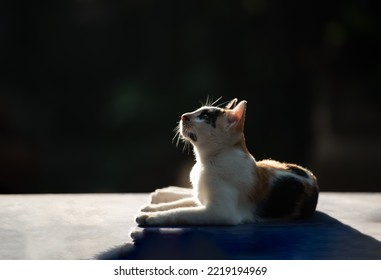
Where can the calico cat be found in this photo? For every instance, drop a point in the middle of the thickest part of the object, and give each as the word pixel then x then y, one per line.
pixel 229 186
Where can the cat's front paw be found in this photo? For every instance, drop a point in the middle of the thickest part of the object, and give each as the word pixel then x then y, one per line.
pixel 156 197
pixel 150 219
pixel 143 219
pixel 160 196
pixel 149 208
pixel 137 234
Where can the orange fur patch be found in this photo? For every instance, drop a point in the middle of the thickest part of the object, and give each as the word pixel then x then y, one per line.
pixel 262 185
pixel 265 170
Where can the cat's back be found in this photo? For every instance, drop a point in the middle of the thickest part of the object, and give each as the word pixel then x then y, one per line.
pixel 284 191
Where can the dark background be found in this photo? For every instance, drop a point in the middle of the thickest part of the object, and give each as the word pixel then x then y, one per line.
pixel 90 91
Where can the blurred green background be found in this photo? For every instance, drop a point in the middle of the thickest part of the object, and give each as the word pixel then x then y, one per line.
pixel 90 90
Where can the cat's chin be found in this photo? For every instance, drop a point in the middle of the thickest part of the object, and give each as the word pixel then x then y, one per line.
pixel 189 135
pixel 192 136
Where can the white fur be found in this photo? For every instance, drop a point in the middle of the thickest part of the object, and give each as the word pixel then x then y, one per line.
pixel 224 182
pixel 216 197
pixel 170 194
pixel 222 178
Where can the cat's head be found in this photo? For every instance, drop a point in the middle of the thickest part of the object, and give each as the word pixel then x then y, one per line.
pixel 212 128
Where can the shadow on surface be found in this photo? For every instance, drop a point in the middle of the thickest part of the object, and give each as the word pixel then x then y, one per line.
pixel 321 237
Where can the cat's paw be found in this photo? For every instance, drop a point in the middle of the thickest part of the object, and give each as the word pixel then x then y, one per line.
pixel 169 194
pixel 159 196
pixel 143 219
pixel 155 198
pixel 137 233
pixel 150 219
pixel 149 208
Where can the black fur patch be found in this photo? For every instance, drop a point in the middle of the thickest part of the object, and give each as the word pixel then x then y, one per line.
pixel 283 198
pixel 210 116
pixel 297 170
pixel 309 204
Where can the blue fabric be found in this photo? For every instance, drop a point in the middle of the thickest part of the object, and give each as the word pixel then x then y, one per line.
pixel 321 237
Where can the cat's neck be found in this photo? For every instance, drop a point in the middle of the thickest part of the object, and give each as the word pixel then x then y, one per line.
pixel 209 155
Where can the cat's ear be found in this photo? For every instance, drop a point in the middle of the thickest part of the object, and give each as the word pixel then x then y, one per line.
pixel 236 117
pixel 231 104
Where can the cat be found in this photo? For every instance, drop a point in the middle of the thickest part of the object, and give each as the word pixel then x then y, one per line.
pixel 229 186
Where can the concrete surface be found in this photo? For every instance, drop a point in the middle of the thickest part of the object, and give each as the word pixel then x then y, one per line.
pixel 81 226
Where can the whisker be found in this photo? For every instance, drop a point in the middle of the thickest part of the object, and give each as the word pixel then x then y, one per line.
pixel 186 146
pixel 218 99
pixel 205 103
pixel 178 137
pixel 222 104
pixel 209 101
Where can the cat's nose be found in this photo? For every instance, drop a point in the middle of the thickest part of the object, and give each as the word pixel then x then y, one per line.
pixel 185 117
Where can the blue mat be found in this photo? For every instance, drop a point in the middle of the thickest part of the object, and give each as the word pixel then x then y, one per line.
pixel 321 237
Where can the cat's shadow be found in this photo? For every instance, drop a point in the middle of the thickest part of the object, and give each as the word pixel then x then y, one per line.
pixel 321 237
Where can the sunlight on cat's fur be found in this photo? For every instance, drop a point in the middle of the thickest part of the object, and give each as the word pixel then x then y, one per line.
pixel 229 186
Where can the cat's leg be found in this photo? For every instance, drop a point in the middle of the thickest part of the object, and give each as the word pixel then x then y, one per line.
pixel 199 215
pixel 221 208
pixel 185 202
pixel 169 194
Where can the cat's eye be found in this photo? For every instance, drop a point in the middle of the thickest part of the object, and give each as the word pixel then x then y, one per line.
pixel 204 116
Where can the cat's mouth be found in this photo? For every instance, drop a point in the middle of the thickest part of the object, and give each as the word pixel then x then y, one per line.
pixel 188 134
